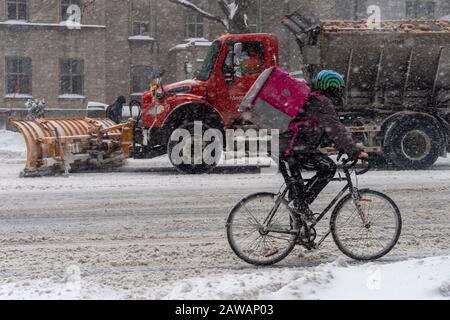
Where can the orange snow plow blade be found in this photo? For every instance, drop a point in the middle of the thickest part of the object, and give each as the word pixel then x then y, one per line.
pixel 71 145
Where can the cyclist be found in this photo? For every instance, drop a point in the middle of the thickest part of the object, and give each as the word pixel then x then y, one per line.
pixel 317 120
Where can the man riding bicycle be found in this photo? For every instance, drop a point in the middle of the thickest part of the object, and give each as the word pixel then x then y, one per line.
pixel 317 120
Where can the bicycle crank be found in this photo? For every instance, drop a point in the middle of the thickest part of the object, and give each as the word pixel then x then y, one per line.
pixel 307 238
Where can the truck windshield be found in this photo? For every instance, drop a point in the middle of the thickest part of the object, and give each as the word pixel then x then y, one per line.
pixel 210 60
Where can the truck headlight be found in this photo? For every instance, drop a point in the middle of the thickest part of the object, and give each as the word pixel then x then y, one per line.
pixel 156 110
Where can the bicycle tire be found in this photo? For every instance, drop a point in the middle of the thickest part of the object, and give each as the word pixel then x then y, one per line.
pixel 393 241
pixel 291 242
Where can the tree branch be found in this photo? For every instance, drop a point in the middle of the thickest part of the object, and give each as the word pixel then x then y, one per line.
pixel 238 16
pixel 202 12
pixel 225 7
pixel 87 4
pixel 233 7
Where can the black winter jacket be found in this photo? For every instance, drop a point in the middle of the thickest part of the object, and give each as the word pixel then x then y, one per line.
pixel 317 119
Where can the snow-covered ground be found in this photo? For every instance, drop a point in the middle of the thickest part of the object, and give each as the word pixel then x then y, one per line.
pixel 12 147
pixel 414 279
pixel 141 233
pixel 427 279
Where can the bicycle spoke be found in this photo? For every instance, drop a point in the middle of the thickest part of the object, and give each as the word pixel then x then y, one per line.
pixel 251 244
pixel 373 239
pixel 377 240
pixel 379 215
pixel 256 220
pixel 247 236
pixel 280 238
pixel 248 226
pixel 352 216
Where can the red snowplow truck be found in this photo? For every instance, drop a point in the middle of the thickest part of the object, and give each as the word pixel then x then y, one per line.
pixel 213 97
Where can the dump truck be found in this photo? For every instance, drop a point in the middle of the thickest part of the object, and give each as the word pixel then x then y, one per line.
pixel 396 101
pixel 398 80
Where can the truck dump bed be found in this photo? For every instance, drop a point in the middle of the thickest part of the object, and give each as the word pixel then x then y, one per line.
pixel 402 64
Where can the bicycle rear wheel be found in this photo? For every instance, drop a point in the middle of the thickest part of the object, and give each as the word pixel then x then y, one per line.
pixel 373 239
pixel 252 242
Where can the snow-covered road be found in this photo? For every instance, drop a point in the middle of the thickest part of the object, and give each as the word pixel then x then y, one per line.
pixel 135 230
pixel 140 233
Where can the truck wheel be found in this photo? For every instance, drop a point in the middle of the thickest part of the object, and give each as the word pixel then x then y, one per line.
pixel 183 155
pixel 413 143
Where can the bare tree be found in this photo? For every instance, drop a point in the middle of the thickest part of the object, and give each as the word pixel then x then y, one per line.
pixel 87 4
pixel 235 20
pixel 235 11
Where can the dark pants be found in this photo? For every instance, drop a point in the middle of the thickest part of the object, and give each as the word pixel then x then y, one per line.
pixel 305 194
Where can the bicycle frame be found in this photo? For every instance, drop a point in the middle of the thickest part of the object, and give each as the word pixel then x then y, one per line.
pixel 289 182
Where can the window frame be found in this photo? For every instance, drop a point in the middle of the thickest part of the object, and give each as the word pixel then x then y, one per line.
pixel 71 75
pixel 210 61
pixel 262 55
pixel 415 4
pixel 140 15
pixel 142 87
pixel 195 24
pixel 17 3
pixel 23 76
pixel 140 22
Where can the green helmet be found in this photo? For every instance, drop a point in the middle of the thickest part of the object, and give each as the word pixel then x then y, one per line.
pixel 327 79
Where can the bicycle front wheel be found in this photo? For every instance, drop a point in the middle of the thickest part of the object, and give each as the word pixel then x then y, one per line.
pixel 253 238
pixel 368 234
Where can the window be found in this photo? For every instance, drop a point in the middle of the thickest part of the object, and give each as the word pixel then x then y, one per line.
pixel 18 75
pixel 420 9
pixel 210 61
pixel 194 26
pixel 141 18
pixel 141 28
pixel 71 76
pixel 16 9
pixel 65 4
pixel 141 78
pixel 252 59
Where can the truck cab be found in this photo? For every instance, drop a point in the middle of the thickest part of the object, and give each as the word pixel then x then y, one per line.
pixel 231 67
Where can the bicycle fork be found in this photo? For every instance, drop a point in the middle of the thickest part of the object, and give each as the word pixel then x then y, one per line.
pixel 357 201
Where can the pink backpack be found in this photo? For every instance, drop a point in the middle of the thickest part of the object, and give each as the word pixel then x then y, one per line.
pixel 275 99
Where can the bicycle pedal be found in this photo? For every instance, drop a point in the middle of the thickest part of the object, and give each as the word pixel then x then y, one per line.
pixel 311 246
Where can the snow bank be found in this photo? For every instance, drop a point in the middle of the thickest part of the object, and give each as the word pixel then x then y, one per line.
pixel 415 279
pixel 12 147
pixel 427 279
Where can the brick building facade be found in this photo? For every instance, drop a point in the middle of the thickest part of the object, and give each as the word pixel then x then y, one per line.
pixel 121 43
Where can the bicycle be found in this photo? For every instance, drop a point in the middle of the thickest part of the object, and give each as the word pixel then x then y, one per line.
pixel 263 228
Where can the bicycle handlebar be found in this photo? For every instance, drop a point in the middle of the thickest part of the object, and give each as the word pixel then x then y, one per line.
pixel 350 163
pixel 366 169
